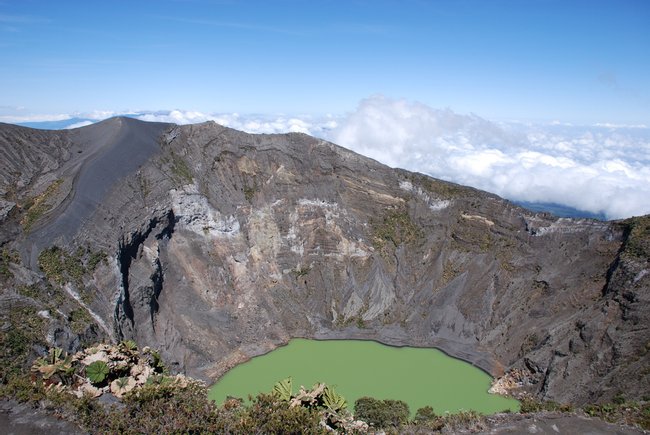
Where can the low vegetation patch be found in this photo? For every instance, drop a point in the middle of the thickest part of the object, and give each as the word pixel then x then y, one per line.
pixel 23 329
pixel 60 267
pixel 449 272
pixel 249 192
pixel 7 257
pixel 79 319
pixel 619 410
pixel 622 411
pixel 472 235
pixel 180 169
pixel 440 189
pixel 638 241
pixel 37 206
pixel 530 405
pixel 299 272
pixel 392 229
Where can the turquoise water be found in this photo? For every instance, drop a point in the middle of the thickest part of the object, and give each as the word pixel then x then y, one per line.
pixel 419 377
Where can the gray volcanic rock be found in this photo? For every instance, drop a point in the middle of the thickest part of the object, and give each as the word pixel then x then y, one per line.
pixel 224 245
pixel 20 419
pixel 549 423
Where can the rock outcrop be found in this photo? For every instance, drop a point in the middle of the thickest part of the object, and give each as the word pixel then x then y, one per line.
pixel 223 245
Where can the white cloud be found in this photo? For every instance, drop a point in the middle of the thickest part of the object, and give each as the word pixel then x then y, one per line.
pixel 248 123
pixel 98 115
pixel 18 115
pixel 15 119
pixel 600 169
pixel 610 125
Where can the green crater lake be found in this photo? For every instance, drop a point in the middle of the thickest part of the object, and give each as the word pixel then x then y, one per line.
pixel 418 376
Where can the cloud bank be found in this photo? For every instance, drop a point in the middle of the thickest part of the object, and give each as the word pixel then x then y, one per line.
pixel 600 169
pixel 249 123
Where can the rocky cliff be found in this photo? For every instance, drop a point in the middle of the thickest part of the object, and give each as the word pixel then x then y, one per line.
pixel 215 245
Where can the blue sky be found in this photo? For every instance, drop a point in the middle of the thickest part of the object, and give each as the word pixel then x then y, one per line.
pixel 574 61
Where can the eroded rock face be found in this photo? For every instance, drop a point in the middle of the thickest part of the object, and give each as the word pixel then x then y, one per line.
pixel 225 245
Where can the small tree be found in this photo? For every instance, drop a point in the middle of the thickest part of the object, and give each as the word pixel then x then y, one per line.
pixel 381 413
pixel 426 417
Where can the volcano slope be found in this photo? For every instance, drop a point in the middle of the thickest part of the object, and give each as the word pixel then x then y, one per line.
pixel 214 246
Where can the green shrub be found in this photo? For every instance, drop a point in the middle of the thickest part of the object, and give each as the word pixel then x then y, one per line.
pixel 381 413
pixel 425 414
pixel 155 409
pixel 283 390
pixel 267 415
pixel 79 320
pixel 96 258
pixel 394 228
pixel 7 257
pixel 334 401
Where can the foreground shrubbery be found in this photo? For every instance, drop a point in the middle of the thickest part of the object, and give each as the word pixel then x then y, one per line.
pixel 138 396
pixel 622 411
pixel 142 398
pixel 619 411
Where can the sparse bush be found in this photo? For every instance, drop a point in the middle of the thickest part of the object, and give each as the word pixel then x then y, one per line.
pixel 381 413
pixel 18 386
pixel 36 207
pixel 631 413
pixel 637 244
pixel 26 330
pixel 51 263
pixel 463 420
pixel 530 405
pixel 60 266
pixel 79 319
pixel 424 415
pixel 7 257
pixel 249 192
pixel 180 169
pixel 393 229
pixel 96 258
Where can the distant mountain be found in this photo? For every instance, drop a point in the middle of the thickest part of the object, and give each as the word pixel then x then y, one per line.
pixel 56 125
pixel 560 210
pixel 66 123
